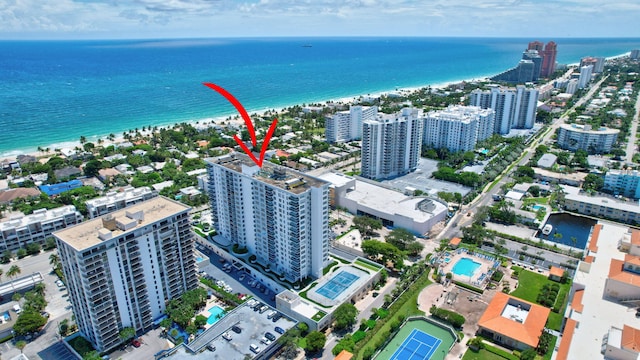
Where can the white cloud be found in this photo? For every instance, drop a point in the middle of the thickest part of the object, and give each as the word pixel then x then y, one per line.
pixel 198 18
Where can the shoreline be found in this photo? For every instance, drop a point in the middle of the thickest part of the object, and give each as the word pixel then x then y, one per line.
pixel 13 153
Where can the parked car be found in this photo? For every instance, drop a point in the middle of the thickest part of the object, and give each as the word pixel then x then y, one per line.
pixel 211 347
pixel 265 341
pixel 269 336
pixel 136 343
pixel 236 329
pixel 254 348
pixel 276 317
pixel 227 336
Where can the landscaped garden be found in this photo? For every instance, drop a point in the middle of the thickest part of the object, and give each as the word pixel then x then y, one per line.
pixel 532 285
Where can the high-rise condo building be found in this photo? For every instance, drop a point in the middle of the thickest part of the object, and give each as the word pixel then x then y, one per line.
pixel 536 45
pixel 548 59
pixel 391 144
pixel 585 76
pixel 596 62
pixel 279 215
pixel 121 269
pixel 573 137
pixel 346 126
pixel 634 54
pixel 514 108
pixel 457 128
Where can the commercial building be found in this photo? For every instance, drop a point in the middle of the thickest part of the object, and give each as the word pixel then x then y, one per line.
pixel 116 200
pixel 457 128
pixel 346 126
pixel 279 215
pixel 391 144
pixel 582 137
pixel 514 108
pixel 21 230
pixel 623 182
pixel 417 214
pixel 122 269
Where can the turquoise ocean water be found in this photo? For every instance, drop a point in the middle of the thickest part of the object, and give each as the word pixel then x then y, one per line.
pixel 53 92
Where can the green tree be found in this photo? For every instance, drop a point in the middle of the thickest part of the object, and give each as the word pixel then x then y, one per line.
pixel 200 321
pixel 384 252
pixel 344 316
pixel 593 182
pixel 92 167
pixel 14 270
pixel 29 321
pixel 92 355
pixel 528 354
pixel 366 225
pixel 21 344
pixel 400 238
pixel 315 341
pixel 127 333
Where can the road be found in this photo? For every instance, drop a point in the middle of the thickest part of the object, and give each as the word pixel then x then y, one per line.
pixel 463 218
pixel 631 144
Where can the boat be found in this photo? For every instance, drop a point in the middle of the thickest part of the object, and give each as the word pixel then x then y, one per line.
pixel 546 230
pixel 307 45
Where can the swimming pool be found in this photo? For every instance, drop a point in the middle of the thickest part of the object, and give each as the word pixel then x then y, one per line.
pixel 216 314
pixel 337 285
pixel 538 207
pixel 447 259
pixel 465 267
pixel 199 259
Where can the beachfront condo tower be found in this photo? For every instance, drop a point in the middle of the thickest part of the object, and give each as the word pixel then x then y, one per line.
pixel 391 144
pixel 514 108
pixel 121 269
pixel 457 128
pixel 277 215
pixel 345 126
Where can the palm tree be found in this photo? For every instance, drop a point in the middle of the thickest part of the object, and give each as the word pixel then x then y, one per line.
pixel 13 271
pixel 54 260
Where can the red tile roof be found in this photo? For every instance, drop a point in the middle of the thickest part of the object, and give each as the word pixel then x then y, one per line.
pixel 635 237
pixel 616 272
pixel 556 271
pixel 576 303
pixel 455 241
pixel 630 339
pixel 527 332
pixel 567 336
pixel 344 355
pixel 593 243
pixel 12 194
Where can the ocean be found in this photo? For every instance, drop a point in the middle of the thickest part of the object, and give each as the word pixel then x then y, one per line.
pixel 54 92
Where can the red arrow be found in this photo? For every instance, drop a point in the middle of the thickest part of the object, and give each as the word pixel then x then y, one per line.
pixel 247 120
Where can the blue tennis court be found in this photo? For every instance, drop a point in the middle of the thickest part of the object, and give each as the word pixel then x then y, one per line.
pixel 336 285
pixel 417 346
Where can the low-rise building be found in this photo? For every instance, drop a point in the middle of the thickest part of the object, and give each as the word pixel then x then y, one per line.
pixel 513 322
pixel 21 230
pixel 623 182
pixel 602 207
pixel 622 344
pixel 113 200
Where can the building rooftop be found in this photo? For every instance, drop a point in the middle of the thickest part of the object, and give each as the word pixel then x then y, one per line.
pixel 518 319
pixel 113 196
pixel 38 216
pixel 287 179
pixel 588 129
pixel 12 194
pixel 390 201
pixel 556 271
pixel 93 232
pixel 604 201
pixel 617 272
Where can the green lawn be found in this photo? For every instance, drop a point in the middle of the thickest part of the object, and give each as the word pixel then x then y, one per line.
pixel 367 265
pixel 530 284
pixel 481 355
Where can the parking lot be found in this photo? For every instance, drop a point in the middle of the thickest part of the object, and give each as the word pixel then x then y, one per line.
pixel 237 280
pixel 232 336
pixel 46 344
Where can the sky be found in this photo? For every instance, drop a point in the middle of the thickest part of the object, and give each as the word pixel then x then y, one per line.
pixel 135 19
